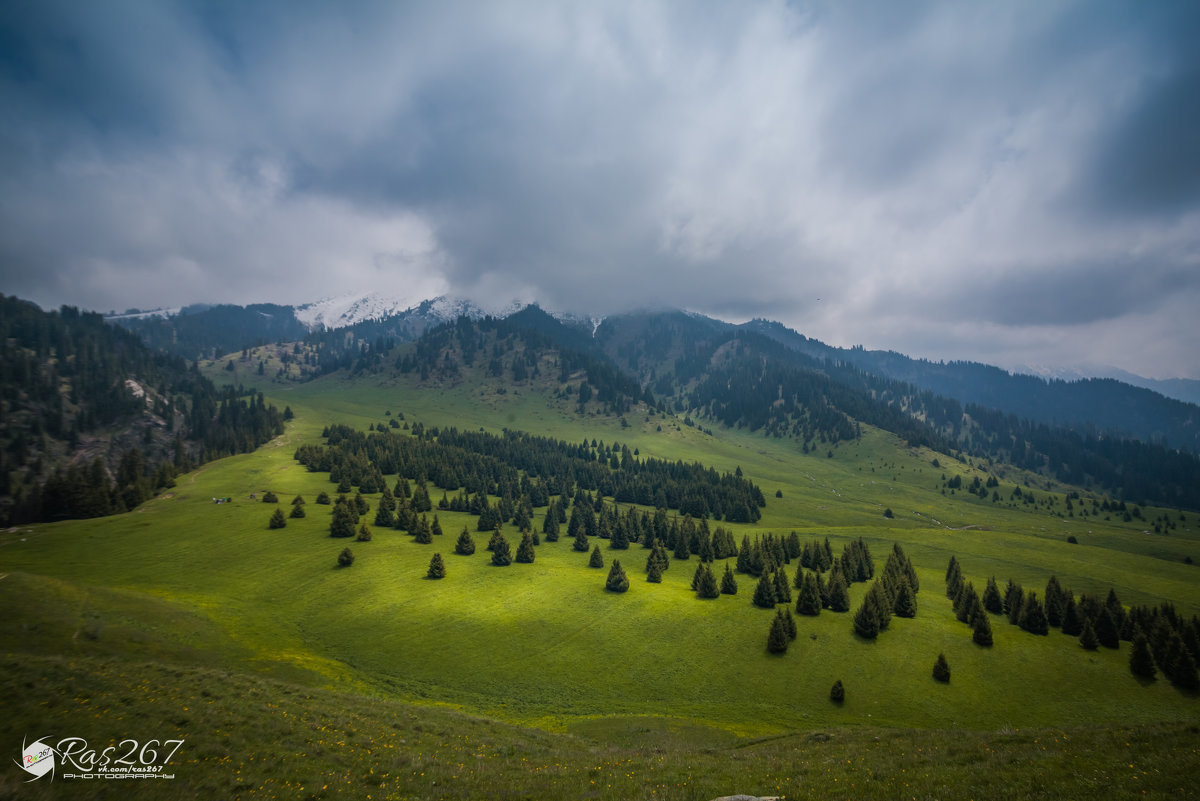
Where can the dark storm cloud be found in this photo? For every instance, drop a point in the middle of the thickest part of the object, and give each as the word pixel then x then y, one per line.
pixel 903 175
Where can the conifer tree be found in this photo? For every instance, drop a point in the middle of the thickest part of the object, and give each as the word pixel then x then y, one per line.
pixel 839 593
pixel 696 576
pixel 1183 670
pixel 728 582
pixel 297 511
pixel 437 568
pixel 706 587
pixel 343 521
pixel 550 524
pixel 866 619
pixel 883 607
pixel 298 500
pixel 808 600
pixel 422 534
pixel 617 581
pixel 1114 607
pixel 1141 661
pixel 364 533
pixel 581 543
pixel 777 638
pixel 384 517
pixel 1087 638
pixel 436 528
pixel 961 603
pixel 790 621
pixel 501 554
pixel 1055 602
pixel 906 602
pixel 1014 599
pixel 277 519
pixel 1033 616
pixel 743 557
pixel 345 558
pixel 953 577
pixel 597 558
pixel 798 579
pixel 982 635
pixel 783 593
pixel 683 548
pixel 619 539
pixel 1107 633
pixel 837 693
pixel 764 593
pixel 941 669
pixel 525 549
pixel 654 572
pixel 465 546
pixel 323 498
pixel 1072 624
pixel 992 601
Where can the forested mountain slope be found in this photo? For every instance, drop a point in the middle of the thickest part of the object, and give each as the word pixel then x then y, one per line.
pixel 1089 405
pixel 92 421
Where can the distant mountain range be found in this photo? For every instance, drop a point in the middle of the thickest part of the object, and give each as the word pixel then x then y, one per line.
pixel 1159 411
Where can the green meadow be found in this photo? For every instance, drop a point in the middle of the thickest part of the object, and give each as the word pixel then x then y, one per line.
pixel 498 668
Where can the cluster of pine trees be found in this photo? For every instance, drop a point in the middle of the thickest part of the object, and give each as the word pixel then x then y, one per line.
pixel 1161 638
pixel 894 592
pixel 524 471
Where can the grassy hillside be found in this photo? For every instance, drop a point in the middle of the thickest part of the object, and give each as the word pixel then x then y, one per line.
pixel 256 738
pixel 208 587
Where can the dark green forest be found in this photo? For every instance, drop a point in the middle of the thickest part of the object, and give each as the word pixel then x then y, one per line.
pixel 94 421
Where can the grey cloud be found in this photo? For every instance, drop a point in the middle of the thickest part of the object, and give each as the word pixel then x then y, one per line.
pixel 1020 164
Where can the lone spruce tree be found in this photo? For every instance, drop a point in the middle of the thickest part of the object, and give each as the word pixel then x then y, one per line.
pixel 941 669
pixel 345 558
pixel 525 549
pixel 617 580
pixel 597 558
pixel 837 693
pixel 437 568
pixel 277 519
pixel 728 582
pixel 465 546
pixel 777 638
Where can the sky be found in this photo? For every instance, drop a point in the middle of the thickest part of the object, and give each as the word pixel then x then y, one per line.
pixel 1016 183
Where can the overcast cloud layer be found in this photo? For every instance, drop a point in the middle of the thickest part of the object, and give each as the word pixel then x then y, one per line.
pixel 1007 182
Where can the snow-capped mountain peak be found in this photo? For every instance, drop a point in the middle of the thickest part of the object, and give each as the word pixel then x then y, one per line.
pixel 346 310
